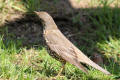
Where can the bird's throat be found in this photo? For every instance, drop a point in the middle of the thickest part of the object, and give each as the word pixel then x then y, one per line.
pixel 50 26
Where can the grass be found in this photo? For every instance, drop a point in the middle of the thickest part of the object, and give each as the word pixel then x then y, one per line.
pixel 17 62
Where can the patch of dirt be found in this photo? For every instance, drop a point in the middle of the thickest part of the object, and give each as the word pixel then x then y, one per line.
pixel 80 3
pixel 28 28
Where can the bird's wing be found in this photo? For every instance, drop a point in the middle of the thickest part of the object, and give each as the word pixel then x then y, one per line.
pixel 64 48
pixel 67 54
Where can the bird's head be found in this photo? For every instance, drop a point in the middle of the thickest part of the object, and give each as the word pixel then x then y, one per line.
pixel 44 16
pixel 47 20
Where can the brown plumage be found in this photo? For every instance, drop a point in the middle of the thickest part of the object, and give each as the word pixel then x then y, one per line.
pixel 61 47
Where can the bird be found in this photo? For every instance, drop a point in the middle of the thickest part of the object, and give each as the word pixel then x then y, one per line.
pixel 61 48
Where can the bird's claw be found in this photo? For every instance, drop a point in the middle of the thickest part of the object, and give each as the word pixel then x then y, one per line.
pixel 57 77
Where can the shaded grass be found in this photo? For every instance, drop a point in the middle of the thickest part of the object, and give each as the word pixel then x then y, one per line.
pixel 106 21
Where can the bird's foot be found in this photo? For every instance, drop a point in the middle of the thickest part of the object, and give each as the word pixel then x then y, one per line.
pixel 57 77
pixel 59 74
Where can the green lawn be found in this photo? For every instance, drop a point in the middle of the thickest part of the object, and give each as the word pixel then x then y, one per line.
pixel 28 64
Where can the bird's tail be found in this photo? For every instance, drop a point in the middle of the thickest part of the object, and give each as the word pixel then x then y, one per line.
pixel 84 59
pixel 80 66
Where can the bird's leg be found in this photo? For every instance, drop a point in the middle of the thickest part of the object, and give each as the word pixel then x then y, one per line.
pixel 59 73
pixel 62 68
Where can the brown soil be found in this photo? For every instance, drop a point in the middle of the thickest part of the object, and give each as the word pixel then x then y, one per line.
pixel 27 27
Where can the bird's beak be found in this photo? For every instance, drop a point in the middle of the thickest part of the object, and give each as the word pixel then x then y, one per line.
pixel 35 12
